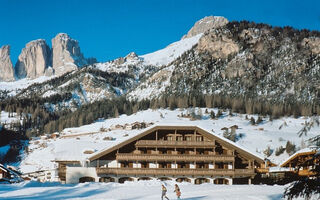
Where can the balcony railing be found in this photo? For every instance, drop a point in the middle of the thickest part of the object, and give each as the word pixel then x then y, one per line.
pixel 175 172
pixel 169 143
pixel 174 157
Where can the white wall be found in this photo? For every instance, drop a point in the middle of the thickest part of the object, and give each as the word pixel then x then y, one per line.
pixel 152 165
pixel 114 164
pixel 192 166
pixel 136 165
pixel 73 174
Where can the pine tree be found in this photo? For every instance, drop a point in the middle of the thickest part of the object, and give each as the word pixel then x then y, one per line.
pixel 212 115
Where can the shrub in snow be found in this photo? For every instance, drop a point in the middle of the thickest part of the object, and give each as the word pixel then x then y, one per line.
pixel 252 121
pixel 290 148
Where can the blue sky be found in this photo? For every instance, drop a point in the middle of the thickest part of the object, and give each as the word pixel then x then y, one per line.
pixel 110 29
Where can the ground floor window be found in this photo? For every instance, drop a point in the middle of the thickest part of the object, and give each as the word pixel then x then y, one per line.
pixel 86 179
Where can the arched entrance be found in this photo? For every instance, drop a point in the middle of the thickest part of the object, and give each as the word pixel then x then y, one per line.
pixel 221 181
pixel 201 180
pixel 144 179
pixel 86 179
pixel 106 179
pixel 164 179
pixel 123 179
pixel 183 179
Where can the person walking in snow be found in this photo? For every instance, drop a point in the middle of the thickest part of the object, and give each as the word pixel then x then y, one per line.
pixel 177 190
pixel 164 192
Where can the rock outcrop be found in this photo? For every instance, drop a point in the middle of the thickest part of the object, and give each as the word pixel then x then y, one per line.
pixel 33 60
pixel 219 43
pixel 6 68
pixel 312 43
pixel 131 57
pixel 66 54
pixel 206 24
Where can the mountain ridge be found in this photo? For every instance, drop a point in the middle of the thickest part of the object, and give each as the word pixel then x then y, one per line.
pixel 237 60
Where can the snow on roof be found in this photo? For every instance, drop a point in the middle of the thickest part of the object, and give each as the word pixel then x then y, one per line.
pixel 278 169
pixel 305 150
pixel 3 168
pixel 181 125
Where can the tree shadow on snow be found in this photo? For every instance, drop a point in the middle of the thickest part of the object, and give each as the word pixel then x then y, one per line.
pixel 275 197
pixel 60 193
pixel 194 198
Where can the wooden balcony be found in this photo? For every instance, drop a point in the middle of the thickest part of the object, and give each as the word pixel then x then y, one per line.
pixel 169 143
pixel 262 170
pixel 306 172
pixel 174 157
pixel 175 172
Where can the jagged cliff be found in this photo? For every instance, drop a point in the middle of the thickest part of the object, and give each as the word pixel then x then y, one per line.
pixel 6 68
pixel 66 54
pixel 33 60
pixel 37 59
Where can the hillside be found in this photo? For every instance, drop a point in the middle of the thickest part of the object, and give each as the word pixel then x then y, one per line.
pixel 73 142
pixel 247 60
pixel 230 59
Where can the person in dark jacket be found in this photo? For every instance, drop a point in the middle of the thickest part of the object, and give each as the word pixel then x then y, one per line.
pixel 164 192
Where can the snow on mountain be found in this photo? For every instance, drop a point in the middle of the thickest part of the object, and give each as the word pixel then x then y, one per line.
pixel 14 87
pixel 159 58
pixel 121 64
pixel 141 190
pixel 6 119
pixel 153 86
pixel 139 68
pixel 73 142
pixel 171 52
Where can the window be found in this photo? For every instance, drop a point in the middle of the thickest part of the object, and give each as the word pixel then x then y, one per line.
pixel 179 138
pixel 199 138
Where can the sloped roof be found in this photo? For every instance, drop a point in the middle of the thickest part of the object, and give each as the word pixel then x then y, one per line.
pixel 222 140
pixel 3 168
pixel 306 151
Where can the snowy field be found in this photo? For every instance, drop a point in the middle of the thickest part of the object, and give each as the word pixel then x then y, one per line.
pixel 143 190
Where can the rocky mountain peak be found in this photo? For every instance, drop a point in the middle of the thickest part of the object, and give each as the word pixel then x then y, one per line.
pixel 205 24
pixel 66 54
pixel 6 68
pixel 33 60
pixel 131 56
